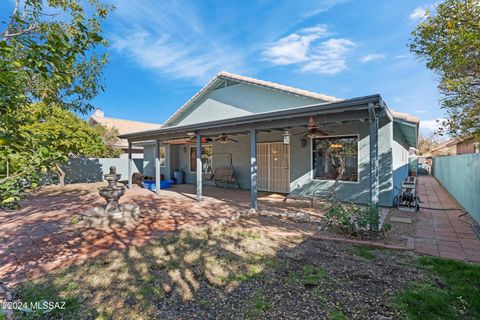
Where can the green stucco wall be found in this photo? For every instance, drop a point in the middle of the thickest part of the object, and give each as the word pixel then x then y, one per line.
pixel 240 100
pixel 460 175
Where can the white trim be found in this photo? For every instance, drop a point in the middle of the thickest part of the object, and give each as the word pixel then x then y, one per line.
pixel 190 156
pixel 336 136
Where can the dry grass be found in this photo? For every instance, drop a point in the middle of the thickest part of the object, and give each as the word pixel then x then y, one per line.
pixel 130 284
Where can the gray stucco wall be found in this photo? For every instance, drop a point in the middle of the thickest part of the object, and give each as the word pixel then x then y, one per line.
pixel 400 159
pixel 149 160
pixel 240 100
pixel 80 170
pixel 359 192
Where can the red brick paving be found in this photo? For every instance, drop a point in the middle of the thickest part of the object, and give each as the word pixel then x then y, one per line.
pixel 40 236
pixel 441 232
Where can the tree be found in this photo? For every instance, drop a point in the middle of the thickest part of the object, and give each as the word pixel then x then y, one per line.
pixel 63 132
pixel 427 144
pixel 54 58
pixel 110 139
pixel 448 40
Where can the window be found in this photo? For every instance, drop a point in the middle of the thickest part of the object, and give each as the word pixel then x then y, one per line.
pixel 207 152
pixel 330 154
pixel 162 157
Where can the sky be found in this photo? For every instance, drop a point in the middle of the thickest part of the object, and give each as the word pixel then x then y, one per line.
pixel 163 52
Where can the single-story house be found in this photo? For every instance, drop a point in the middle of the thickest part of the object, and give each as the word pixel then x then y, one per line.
pixel 282 139
pixel 123 126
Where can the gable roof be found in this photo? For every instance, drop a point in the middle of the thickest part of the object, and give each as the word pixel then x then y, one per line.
pixel 226 78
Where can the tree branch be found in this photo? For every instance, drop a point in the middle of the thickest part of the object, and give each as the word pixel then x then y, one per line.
pixel 12 18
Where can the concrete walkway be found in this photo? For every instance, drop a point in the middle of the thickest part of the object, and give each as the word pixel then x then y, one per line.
pixel 441 232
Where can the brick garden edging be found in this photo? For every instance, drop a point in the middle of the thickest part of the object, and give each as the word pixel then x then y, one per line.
pixel 301 217
pixel 408 247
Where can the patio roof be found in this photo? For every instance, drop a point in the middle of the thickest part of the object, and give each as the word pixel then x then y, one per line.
pixel 408 126
pixel 350 109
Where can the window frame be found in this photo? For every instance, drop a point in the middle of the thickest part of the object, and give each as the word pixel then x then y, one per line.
pixel 312 169
pixel 190 157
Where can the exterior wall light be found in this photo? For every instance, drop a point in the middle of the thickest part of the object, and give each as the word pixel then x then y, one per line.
pixel 286 137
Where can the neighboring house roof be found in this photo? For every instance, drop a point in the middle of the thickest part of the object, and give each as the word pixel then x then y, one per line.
pixel 223 78
pixel 445 145
pixel 123 126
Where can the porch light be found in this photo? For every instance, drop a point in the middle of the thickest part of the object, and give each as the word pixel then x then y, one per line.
pixel 286 137
pixel 336 146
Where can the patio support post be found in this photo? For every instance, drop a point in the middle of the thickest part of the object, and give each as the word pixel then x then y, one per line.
pixel 374 174
pixel 253 169
pixel 130 164
pixel 157 167
pixel 199 167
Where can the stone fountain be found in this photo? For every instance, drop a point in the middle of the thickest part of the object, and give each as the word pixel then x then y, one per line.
pixel 113 213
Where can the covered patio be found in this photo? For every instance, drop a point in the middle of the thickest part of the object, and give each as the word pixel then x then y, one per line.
pixel 290 127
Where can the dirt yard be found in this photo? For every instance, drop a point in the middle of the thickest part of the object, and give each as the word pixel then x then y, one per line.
pixel 264 270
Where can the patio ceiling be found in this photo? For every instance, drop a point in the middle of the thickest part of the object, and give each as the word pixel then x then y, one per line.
pixel 330 112
pixel 408 130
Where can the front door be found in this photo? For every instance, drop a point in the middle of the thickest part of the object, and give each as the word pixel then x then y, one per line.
pixel 273 163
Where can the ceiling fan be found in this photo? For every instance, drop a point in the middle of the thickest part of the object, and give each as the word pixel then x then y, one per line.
pixel 313 131
pixel 223 138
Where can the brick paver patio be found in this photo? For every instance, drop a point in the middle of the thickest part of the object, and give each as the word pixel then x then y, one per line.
pixel 442 232
pixel 41 236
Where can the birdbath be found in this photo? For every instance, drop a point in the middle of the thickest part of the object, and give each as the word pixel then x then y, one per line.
pixel 113 213
pixel 112 192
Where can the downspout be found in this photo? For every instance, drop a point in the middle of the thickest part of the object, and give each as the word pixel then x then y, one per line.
pixel 374 174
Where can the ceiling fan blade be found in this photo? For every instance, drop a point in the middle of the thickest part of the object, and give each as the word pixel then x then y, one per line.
pixel 232 139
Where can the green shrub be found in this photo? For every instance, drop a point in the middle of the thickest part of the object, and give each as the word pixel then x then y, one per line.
pixel 353 220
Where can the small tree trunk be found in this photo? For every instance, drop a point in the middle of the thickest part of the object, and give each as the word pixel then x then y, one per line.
pixel 61 175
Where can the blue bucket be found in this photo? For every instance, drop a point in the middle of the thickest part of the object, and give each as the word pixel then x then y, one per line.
pixel 150 184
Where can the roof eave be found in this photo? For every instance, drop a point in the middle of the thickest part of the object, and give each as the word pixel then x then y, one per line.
pixel 331 107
